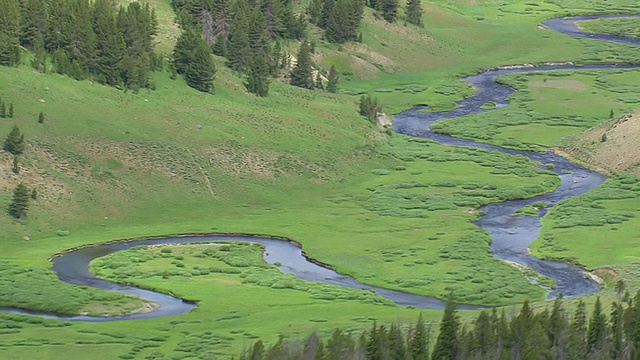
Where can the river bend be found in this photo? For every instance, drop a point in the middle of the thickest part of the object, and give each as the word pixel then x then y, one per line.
pixel 511 234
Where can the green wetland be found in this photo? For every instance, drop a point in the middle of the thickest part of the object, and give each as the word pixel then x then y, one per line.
pixel 393 212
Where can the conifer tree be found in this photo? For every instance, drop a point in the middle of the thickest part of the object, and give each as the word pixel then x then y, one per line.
pixel 446 344
pixel 110 45
pixel 15 167
pixel 200 70
pixel 239 49
pixel 559 329
pixel 14 143
pixel 3 110
pixel 578 333
pixel 414 12
pixel 419 342
pixel 332 84
pixel 20 202
pixel 41 118
pixel 10 115
pixel 597 328
pixel 33 23
pixel 9 33
pixel 258 71
pixel 302 73
pixel 389 9
pixel 617 331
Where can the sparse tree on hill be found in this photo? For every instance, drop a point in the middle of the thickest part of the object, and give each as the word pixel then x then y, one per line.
pixel 3 110
pixel 11 110
pixel 15 167
pixel 14 143
pixel 41 117
pixel 332 84
pixel 302 73
pixel 414 12
pixel 20 202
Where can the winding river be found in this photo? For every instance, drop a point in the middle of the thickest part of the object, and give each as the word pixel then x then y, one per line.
pixel 511 234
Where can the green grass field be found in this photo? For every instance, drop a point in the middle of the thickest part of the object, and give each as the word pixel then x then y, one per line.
pixel 388 210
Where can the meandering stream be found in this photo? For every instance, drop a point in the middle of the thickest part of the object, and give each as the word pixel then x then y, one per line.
pixel 511 234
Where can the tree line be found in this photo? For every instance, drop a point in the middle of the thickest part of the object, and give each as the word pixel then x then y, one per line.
pixel 551 333
pixel 83 39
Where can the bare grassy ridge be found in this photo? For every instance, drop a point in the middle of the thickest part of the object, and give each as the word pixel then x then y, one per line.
pixel 613 145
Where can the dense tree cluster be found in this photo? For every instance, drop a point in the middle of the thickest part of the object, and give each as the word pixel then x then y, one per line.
pixel 246 32
pixel 546 334
pixel 84 39
pixel 340 19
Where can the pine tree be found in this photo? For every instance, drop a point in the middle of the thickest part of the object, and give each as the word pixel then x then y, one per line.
pixel 20 202
pixel 15 167
pixel 14 143
pixel 389 10
pixel 41 118
pixel 110 45
pixel 258 71
pixel 201 70
pixel 617 331
pixel 239 49
pixel 33 23
pixel 446 343
pixel 414 12
pixel 10 111
pixel 419 342
pixel 577 346
pixel 537 345
pixel 9 33
pixel 558 329
pixel 332 84
pixel 3 110
pixel 302 73
pixel 597 328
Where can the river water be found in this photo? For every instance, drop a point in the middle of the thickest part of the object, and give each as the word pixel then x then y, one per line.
pixel 511 234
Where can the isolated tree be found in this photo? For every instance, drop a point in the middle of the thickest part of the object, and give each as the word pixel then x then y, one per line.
pixel 10 111
pixel 302 73
pixel 414 12
pixel 332 84
pixel 14 143
pixel 41 117
pixel 20 202
pixel 3 110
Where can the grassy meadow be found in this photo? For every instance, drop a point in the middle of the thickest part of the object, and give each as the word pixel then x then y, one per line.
pixel 390 211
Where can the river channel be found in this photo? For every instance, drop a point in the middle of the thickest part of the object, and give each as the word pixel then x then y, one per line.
pixel 511 234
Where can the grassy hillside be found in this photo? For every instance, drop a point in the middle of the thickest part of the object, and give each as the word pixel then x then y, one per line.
pixel 390 211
